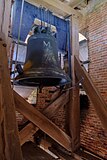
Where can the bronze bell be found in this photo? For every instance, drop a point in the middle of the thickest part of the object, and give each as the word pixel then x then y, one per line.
pixel 41 66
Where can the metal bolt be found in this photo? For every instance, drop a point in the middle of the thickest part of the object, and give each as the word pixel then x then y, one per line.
pixel 4 45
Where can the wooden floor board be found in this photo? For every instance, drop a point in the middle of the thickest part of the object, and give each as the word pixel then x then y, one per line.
pixel 32 152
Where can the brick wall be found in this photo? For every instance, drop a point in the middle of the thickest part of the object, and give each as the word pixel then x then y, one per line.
pixel 93 136
pixel 44 98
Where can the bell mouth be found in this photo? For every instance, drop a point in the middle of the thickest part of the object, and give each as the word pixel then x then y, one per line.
pixel 41 81
pixel 43 78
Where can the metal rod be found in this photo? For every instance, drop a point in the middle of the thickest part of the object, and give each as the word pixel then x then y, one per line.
pixel 69 47
pixel 44 16
pixel 20 24
pixel 85 62
pixel 13 62
pixel 41 16
pixel 20 42
pixel 75 85
pixel 68 16
pixel 50 20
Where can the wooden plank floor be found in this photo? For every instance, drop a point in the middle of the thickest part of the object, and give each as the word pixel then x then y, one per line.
pixel 87 155
pixel 31 152
pixel 61 154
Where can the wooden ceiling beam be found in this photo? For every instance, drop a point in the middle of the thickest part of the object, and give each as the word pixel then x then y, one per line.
pixel 74 3
pixel 56 6
pixel 42 122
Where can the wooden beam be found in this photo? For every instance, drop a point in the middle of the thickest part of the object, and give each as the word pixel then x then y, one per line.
pixel 9 140
pixel 25 134
pixel 60 154
pixel 32 152
pixel 92 92
pixel 74 3
pixel 5 9
pixel 55 94
pixel 1 115
pixel 86 154
pixel 53 5
pixel 31 129
pixel 74 106
pixel 42 122
pixel 55 106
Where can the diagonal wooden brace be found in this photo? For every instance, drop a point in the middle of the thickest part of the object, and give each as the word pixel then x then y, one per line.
pixel 42 122
pixel 49 112
pixel 95 96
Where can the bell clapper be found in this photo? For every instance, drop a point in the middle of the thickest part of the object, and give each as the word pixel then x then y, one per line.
pixel 40 89
pixel 19 69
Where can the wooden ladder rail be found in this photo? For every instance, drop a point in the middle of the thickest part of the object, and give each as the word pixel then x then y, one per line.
pixel 95 96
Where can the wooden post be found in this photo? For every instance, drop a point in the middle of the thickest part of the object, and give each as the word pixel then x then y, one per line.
pixel 9 140
pixel 28 131
pixel 5 9
pixel 74 107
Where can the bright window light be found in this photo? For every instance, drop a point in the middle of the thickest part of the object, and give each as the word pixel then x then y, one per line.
pixel 81 37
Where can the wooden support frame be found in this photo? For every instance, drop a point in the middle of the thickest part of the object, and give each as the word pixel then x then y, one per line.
pixel 53 5
pixel 75 3
pixel 49 112
pixel 74 106
pixel 56 105
pixel 92 92
pixel 9 138
pixel 27 132
pixel 42 122
pixel 33 152
pixel 5 9
pixel 31 129
pixel 60 154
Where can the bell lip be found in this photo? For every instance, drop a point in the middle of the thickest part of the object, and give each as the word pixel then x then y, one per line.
pixel 58 81
pixel 41 76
